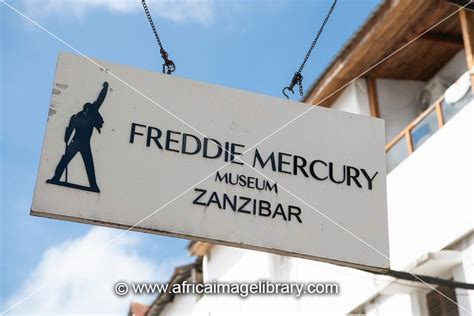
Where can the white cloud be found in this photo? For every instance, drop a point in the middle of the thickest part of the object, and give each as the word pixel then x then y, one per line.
pixel 83 274
pixel 201 11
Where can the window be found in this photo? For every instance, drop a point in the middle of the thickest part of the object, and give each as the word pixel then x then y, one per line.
pixel 439 305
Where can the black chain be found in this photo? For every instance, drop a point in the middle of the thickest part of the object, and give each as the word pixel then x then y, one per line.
pixel 168 65
pixel 298 77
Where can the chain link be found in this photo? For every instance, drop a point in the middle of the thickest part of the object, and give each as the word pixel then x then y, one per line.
pixel 298 77
pixel 168 65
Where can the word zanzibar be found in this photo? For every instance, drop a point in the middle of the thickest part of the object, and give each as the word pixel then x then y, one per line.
pixel 242 204
pixel 281 162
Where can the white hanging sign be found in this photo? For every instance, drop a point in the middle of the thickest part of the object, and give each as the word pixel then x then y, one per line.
pixel 131 148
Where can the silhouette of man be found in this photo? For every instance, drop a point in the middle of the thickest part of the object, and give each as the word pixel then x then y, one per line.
pixel 82 124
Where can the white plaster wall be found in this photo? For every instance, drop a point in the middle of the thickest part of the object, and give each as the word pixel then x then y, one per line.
pixel 228 264
pixel 397 103
pixel 362 96
pixel 430 193
pixel 354 99
pixel 397 98
pixel 399 304
pixel 454 68
pixel 181 305
pixel 355 287
pixel 465 273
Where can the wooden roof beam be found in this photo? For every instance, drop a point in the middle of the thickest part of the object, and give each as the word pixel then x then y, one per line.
pixel 373 98
pixel 445 39
pixel 375 50
pixel 466 18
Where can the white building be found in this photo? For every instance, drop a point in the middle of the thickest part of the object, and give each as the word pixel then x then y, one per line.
pixel 424 94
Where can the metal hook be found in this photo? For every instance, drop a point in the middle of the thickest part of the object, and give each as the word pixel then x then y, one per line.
pixel 289 89
pixel 296 80
pixel 168 65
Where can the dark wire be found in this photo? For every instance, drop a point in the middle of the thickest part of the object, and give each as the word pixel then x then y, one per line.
pixel 403 275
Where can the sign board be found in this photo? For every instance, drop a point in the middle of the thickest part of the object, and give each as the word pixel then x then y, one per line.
pixel 131 148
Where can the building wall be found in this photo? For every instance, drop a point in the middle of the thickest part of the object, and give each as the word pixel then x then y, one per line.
pixel 426 214
pixel 398 99
pixel 398 103
pixel 412 300
pixel 429 207
pixel 354 99
pixel 225 264
pixel 431 192
pixel 465 272
pixel 454 68
pixel 390 305
pixel 181 305
pixel 356 286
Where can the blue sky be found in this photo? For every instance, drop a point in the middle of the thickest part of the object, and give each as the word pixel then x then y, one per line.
pixel 249 45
